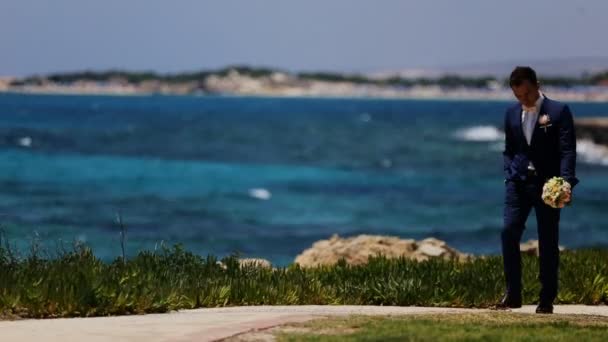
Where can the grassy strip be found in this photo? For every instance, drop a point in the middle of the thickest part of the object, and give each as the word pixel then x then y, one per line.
pixel 495 326
pixel 76 283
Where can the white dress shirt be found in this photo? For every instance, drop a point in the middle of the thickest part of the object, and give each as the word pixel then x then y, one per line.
pixel 529 116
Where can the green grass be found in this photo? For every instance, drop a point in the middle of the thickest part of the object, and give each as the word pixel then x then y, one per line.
pixel 497 326
pixel 76 283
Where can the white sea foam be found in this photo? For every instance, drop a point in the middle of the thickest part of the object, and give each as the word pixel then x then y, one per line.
pixel 25 142
pixel 592 153
pixel 588 151
pixel 260 193
pixel 480 134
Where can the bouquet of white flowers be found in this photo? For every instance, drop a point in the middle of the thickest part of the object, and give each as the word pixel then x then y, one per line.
pixel 557 192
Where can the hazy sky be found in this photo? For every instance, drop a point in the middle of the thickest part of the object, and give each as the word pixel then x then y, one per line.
pixel 345 35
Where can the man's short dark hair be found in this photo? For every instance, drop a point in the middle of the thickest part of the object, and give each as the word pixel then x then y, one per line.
pixel 521 74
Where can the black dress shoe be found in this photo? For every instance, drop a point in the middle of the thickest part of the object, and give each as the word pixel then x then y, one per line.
pixel 544 308
pixel 509 301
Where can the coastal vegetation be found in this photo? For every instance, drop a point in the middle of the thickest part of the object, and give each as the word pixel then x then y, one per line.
pixel 74 282
pixel 447 80
pixel 242 80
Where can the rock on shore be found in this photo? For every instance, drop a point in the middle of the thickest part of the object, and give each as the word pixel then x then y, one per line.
pixel 246 262
pixel 249 262
pixel 356 250
pixel 530 247
pixel 594 129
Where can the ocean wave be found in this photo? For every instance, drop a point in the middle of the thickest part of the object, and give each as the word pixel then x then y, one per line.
pixel 592 153
pixel 35 138
pixel 25 142
pixel 588 151
pixel 480 134
pixel 260 193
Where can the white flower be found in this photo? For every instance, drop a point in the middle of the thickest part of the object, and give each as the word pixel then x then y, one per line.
pixel 544 119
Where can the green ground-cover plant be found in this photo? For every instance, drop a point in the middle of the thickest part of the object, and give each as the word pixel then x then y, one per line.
pixel 75 282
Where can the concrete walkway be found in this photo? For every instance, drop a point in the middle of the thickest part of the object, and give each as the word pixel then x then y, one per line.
pixel 213 323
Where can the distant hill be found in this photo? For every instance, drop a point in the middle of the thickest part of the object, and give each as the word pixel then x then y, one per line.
pixel 558 67
pixel 479 80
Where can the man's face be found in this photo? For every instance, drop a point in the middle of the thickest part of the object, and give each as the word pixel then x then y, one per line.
pixel 526 93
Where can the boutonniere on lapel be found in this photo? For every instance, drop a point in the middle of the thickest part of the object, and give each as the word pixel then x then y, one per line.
pixel 544 122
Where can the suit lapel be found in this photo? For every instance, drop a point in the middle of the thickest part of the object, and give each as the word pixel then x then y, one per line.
pixel 519 129
pixel 541 111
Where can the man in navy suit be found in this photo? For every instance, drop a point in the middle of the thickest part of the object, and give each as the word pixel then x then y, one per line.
pixel 540 143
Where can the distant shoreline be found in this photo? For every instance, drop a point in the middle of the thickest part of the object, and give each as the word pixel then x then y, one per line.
pixel 447 97
pixel 261 82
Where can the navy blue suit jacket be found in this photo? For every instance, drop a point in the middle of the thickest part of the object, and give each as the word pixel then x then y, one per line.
pixel 552 149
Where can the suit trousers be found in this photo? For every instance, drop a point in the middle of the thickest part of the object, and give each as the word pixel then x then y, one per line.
pixel 520 198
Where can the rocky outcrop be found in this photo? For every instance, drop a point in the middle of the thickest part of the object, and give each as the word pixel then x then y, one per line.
pixel 4 83
pixel 255 262
pixel 594 129
pixel 356 250
pixel 246 262
pixel 530 247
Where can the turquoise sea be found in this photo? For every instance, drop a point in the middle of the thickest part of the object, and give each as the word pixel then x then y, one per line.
pixel 266 177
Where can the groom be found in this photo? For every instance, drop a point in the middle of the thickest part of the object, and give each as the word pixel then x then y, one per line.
pixel 539 144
